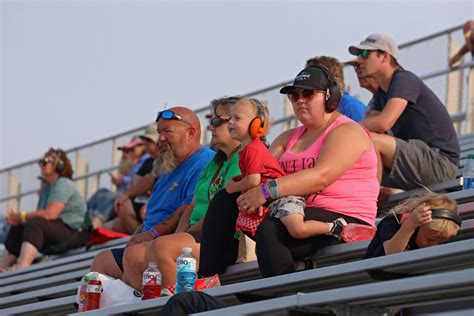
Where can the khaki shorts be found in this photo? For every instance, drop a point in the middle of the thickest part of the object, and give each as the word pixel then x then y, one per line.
pixel 416 163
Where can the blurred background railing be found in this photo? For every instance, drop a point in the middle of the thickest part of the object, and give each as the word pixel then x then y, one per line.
pixel 427 57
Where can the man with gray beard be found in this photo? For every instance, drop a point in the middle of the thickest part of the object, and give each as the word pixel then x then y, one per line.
pixel 180 164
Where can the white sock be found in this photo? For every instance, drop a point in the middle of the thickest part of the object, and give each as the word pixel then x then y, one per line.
pixel 331 225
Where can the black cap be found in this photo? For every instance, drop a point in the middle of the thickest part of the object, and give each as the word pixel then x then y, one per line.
pixel 311 78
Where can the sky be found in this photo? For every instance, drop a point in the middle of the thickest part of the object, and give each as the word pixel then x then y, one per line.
pixel 72 71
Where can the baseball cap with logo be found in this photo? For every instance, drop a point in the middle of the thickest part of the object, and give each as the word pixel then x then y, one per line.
pixel 150 133
pixel 376 42
pixel 311 78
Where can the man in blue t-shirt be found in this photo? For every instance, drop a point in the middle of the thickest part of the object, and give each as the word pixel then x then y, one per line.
pixel 348 105
pixel 425 147
pixel 179 165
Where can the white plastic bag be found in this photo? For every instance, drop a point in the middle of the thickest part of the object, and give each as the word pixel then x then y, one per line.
pixel 115 292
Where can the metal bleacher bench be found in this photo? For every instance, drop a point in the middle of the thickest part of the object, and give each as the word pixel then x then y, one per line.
pixel 368 299
pixel 238 273
pixel 73 255
pixel 440 258
pixel 467 147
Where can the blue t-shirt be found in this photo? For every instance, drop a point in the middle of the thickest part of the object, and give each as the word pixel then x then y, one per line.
pixel 175 189
pixel 351 107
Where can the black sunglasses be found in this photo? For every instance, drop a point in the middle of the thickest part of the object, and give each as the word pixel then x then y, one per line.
pixel 294 95
pixel 217 121
pixel 170 115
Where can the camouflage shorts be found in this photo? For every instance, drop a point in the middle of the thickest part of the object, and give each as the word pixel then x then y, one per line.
pixel 287 205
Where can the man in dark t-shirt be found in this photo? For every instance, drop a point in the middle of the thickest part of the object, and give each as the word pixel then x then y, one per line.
pixel 425 147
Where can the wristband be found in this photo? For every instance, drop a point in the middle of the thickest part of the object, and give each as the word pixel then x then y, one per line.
pixel 265 191
pixel 273 186
pixel 154 233
pixel 22 217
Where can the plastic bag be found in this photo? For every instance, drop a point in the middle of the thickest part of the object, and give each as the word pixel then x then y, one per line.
pixel 114 292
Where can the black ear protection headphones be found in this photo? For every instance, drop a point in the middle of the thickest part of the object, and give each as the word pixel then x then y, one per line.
pixel 444 213
pixel 333 94
pixel 58 163
pixel 258 126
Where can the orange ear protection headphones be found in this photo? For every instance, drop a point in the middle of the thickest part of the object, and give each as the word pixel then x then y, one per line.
pixel 333 94
pixel 258 126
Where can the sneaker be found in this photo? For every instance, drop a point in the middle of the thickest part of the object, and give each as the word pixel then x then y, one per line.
pixel 356 232
pixel 336 230
pixel 166 292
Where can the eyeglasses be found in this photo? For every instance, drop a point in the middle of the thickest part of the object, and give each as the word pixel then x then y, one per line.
pixel 306 94
pixel 170 115
pixel 217 121
pixel 43 162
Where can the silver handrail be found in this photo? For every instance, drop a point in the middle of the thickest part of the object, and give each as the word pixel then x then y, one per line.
pixel 455 117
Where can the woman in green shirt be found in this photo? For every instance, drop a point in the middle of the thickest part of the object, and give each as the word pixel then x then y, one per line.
pixel 57 220
pixel 166 249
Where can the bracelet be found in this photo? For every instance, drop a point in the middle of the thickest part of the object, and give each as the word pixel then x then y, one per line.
pixel 265 191
pixel 22 217
pixel 273 186
pixel 154 233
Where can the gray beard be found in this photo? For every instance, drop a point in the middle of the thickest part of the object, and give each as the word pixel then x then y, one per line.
pixel 164 163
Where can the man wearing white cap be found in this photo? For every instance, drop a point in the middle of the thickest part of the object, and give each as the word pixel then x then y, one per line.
pixel 425 148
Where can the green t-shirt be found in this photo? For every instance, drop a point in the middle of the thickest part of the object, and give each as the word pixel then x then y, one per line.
pixel 205 191
pixel 64 190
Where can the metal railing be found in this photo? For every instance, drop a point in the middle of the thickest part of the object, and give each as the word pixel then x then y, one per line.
pixel 100 156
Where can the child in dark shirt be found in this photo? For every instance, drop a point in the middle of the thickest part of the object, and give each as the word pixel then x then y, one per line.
pixel 422 221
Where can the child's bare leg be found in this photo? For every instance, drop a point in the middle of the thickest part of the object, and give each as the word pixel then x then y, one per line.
pixel 300 229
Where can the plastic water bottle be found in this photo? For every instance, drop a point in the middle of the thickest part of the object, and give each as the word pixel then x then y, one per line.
pixel 151 282
pixel 468 173
pixel 185 271
pixel 94 290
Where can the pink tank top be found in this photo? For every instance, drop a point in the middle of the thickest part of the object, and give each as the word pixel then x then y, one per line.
pixel 354 193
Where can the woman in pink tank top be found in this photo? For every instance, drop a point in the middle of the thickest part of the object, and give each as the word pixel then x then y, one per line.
pixel 330 160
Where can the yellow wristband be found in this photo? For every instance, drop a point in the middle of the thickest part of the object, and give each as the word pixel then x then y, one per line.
pixel 23 217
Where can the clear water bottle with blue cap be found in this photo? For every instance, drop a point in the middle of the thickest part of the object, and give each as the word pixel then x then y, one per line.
pixel 468 173
pixel 185 271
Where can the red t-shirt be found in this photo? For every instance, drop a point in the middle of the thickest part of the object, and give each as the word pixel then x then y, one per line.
pixel 256 159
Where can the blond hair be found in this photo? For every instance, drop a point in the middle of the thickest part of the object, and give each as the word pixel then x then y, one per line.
pixel 260 107
pixel 444 227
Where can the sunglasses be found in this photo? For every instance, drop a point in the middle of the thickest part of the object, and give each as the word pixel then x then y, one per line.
pixel 217 121
pixel 364 53
pixel 306 94
pixel 43 162
pixel 170 115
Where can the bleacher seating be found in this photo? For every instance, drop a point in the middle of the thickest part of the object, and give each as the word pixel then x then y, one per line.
pixel 333 256
pixel 49 287
pixel 340 283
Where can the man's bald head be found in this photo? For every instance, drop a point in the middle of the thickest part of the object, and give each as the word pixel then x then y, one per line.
pixel 179 131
